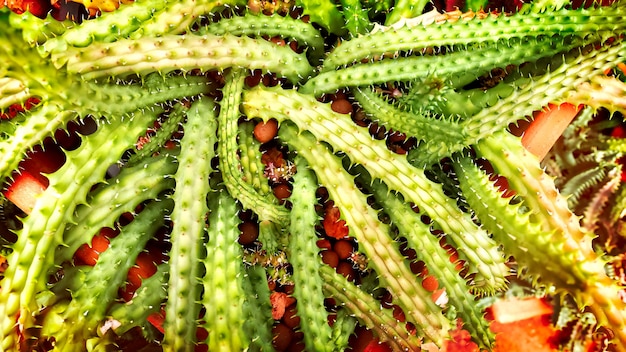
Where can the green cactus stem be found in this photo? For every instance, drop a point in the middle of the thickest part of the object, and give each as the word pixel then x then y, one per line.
pixel 604 21
pixel 478 60
pixel 223 297
pixel 343 328
pixel 537 188
pixel 146 301
pixel 447 133
pixel 574 267
pixel 188 216
pixel 12 91
pixel 41 123
pixel 117 99
pixel 121 194
pixel 282 26
pixel 356 18
pixel 437 260
pixel 108 27
pixel 306 262
pixel 173 52
pixel 36 31
pixel 473 243
pixel 369 311
pixel 266 205
pixel 405 9
pixel 571 70
pixel 257 309
pixel 250 157
pixel 33 253
pixel 529 95
pixel 85 312
pixel 178 16
pixel 372 236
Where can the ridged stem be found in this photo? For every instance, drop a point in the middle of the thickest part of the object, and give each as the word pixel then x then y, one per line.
pixel 550 230
pixel 187 52
pixel 437 260
pixel 260 25
pixel 371 234
pixel 368 311
pixel 86 310
pixel 481 28
pixel 188 231
pixel 265 205
pixel 147 300
pixel 43 229
pixel 477 60
pixel 250 157
pixel 223 297
pixel 119 195
pixel 41 123
pixel 473 243
pixel 306 261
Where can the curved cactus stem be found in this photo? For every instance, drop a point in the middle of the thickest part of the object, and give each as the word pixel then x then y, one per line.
pixel 146 301
pixel 223 296
pixel 178 16
pixel 265 205
pixel 306 262
pixel 529 94
pixel 343 328
pixel 477 28
pixel 188 52
pixel 115 99
pixel 188 232
pixel 251 165
pixel 437 260
pixel 506 153
pixel 257 309
pixel 473 243
pixel 440 133
pixel 570 70
pixel 41 123
pixel 35 31
pixel 259 25
pixel 550 229
pixel 79 321
pixel 12 91
pixel 369 311
pixel 108 27
pixel 33 253
pixel 158 141
pixel 371 234
pixel 478 60
pixel 119 195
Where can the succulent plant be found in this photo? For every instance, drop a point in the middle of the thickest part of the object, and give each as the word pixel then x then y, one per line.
pixel 152 104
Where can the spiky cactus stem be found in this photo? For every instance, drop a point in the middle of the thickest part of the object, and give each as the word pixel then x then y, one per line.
pixel 303 255
pixel 337 129
pixel 43 229
pixel 71 326
pixel 223 296
pixel 372 235
pixel 576 268
pixel 188 232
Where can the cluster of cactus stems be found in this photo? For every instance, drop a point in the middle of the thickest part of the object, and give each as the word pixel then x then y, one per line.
pixel 189 67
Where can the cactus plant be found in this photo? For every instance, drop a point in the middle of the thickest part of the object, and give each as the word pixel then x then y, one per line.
pixel 396 125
